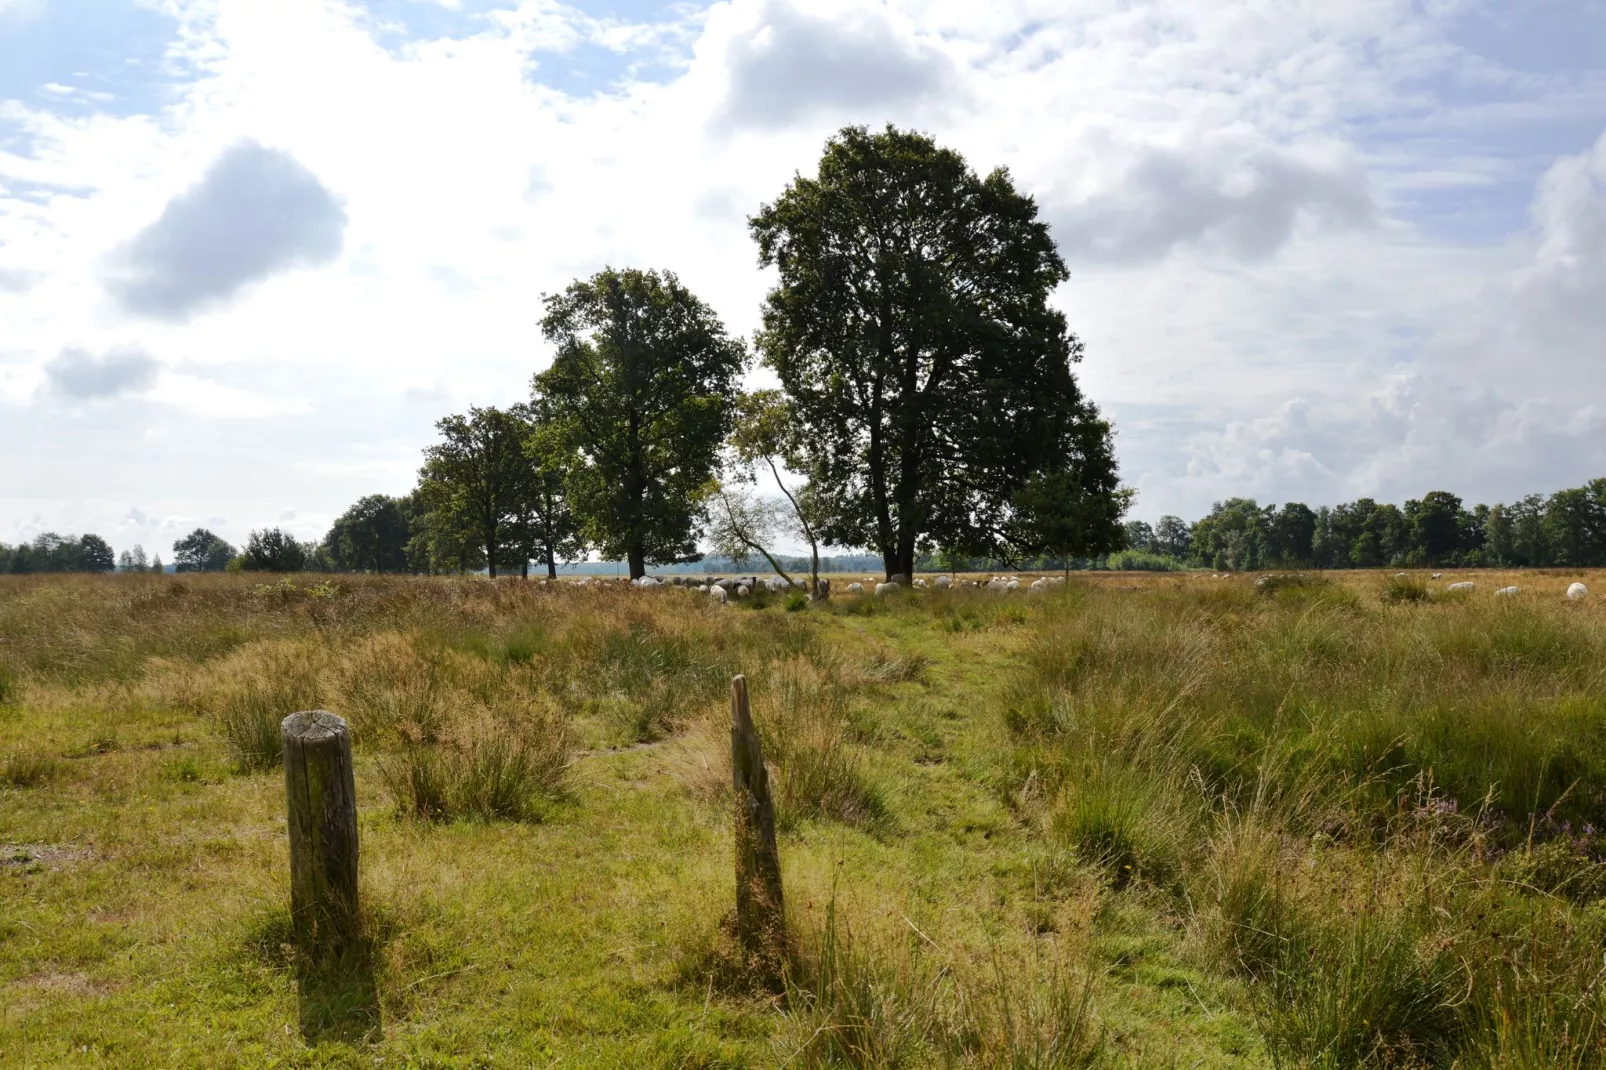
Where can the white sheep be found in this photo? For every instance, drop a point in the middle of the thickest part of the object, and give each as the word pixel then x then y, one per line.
pixel 1577 591
pixel 1506 591
pixel 942 583
pixel 646 581
pixel 1438 575
pixel 702 588
pixel 919 582
pixel 890 587
pixel 855 588
pixel 742 591
pixel 1038 586
pixel 1464 585
pixel 717 593
pixel 1056 581
pixel 1012 585
pixel 997 583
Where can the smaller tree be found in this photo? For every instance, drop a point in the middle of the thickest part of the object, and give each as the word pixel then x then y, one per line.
pixel 156 564
pixel 201 551
pixel 273 550
pixel 1173 536
pixel 547 527
pixel 765 434
pixel 1139 536
pixel 477 479
pixel 95 555
pixel 371 536
pixel 741 524
pixel 133 560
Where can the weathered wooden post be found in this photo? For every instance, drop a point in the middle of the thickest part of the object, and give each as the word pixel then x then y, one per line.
pixel 321 800
pixel 760 918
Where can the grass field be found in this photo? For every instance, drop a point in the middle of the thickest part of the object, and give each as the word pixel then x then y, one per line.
pixel 1156 821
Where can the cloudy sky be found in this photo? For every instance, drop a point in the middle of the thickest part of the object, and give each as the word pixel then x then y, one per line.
pixel 250 251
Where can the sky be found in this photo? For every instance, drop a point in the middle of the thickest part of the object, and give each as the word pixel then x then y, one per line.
pixel 250 252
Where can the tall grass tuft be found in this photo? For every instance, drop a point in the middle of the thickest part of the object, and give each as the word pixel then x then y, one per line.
pixel 27 770
pixel 819 772
pixel 1034 1013
pixel 854 1004
pixel 10 685
pixel 258 688
pixel 497 769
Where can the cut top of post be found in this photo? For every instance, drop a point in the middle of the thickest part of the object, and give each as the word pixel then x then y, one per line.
pixel 314 726
pixel 741 720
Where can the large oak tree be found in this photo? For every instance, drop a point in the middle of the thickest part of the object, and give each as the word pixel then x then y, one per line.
pixel 642 382
pixel 929 376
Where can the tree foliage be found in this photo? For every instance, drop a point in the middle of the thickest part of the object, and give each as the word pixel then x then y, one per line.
pixel 371 536
pixel 474 483
pixel 641 386
pixel 928 376
pixel 273 550
pixel 201 551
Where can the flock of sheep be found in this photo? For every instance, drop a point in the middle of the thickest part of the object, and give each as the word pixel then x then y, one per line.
pixel 721 589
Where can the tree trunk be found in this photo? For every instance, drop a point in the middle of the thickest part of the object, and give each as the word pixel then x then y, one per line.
pixel 638 561
pixel 524 568
pixel 551 561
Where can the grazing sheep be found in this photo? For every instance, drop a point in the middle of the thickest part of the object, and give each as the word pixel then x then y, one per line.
pixel 1399 575
pixel 742 590
pixel 889 587
pixel 1464 585
pixel 997 583
pixel 942 583
pixel 702 588
pixel 1038 586
pixel 855 588
pixel 919 582
pixel 1575 591
pixel 717 593
pixel 1012 585
pixel 646 581
pixel 1508 590
pixel 1438 575
pixel 1056 581
pixel 898 578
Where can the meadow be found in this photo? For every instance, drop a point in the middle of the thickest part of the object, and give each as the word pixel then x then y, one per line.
pixel 1140 821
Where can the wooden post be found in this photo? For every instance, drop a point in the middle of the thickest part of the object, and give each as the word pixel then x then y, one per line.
pixel 321 799
pixel 760 919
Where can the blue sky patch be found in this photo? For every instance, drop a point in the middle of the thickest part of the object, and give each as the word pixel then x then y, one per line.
pixel 84 56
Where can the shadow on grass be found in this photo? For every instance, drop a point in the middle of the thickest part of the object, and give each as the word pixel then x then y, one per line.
pixel 337 988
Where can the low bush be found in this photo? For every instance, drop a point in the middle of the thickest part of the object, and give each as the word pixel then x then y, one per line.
pixel 1404 589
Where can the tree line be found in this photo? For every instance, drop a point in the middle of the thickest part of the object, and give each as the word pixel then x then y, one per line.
pixel 1564 529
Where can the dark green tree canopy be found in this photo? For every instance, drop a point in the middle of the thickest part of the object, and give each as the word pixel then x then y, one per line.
pixel 201 551
pixel 929 377
pixel 273 550
pixel 371 536
pixel 641 384
pixel 477 478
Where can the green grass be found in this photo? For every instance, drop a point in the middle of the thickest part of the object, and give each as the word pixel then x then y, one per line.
pixel 1141 821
